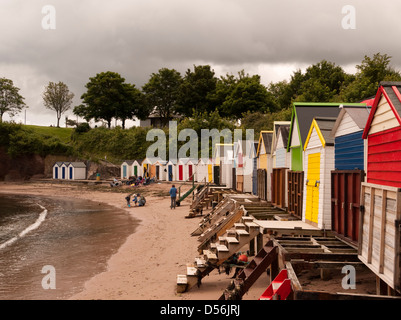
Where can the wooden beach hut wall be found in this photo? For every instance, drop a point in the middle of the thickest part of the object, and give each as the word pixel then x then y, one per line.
pixel 264 165
pixel 301 119
pixel 379 242
pixel 57 170
pixel 245 161
pixel 318 164
pixel 76 171
pixel 126 169
pixel 136 168
pixel 281 163
pixel 349 164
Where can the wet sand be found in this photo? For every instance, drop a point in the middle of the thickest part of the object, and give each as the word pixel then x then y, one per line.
pixel 147 264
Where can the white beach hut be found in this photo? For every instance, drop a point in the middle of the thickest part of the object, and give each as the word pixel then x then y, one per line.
pixel 76 171
pixel 161 169
pixel 204 170
pixel 57 170
pixel 136 168
pixel 126 169
pixel 171 167
pixel 64 171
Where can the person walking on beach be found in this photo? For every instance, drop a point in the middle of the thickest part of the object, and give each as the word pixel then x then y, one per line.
pixel 173 195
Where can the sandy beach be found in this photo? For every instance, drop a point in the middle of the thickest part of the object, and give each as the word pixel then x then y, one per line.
pixel 147 264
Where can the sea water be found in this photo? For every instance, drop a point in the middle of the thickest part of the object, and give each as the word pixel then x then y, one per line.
pixel 75 237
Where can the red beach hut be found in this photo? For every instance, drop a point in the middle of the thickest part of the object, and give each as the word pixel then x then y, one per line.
pixel 383 132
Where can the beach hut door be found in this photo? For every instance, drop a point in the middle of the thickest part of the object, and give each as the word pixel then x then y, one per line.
pixel 190 172
pixel 56 172
pixel 180 173
pixel 312 188
pixel 124 171
pixel 70 173
pixel 170 173
pixel 135 171
pixel 210 172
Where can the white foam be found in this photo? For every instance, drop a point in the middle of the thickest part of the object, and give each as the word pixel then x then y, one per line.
pixel 34 226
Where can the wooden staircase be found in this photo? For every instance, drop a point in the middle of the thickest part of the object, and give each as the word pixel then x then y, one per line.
pixel 219 212
pixel 212 257
pixel 267 256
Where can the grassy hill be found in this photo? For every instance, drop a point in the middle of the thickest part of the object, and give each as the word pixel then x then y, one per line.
pixel 64 134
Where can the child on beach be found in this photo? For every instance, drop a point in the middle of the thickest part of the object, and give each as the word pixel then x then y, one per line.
pixel 128 198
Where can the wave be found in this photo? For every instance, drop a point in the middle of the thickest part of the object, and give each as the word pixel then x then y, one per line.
pixel 34 226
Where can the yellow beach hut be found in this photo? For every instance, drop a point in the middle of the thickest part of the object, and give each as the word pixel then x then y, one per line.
pixel 318 160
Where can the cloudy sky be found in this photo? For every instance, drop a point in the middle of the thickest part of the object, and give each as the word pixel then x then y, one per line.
pixel 136 38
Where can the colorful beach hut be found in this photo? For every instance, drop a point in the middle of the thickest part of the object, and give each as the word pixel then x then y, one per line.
pixel 76 171
pixel 264 165
pixel 301 119
pixel 281 163
pixel 379 242
pixel 349 163
pixel 318 164
pixel 383 134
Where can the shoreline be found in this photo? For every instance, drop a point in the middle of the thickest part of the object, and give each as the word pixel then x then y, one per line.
pixel 146 265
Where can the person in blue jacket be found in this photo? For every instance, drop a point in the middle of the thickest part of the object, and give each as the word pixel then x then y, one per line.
pixel 173 195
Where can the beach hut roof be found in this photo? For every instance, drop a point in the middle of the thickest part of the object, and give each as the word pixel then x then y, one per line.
pixel 77 164
pixel 323 127
pixel 58 163
pixel 359 114
pixel 303 114
pixel 282 133
pixel 391 91
pixel 265 138
pixel 129 162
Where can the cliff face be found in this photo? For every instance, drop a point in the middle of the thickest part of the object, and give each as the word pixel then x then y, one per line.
pixel 20 168
pixel 34 166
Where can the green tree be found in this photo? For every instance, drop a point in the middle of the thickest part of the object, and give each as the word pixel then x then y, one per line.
pixel 57 97
pixel 162 92
pixel 108 97
pixel 243 94
pixel 11 101
pixel 322 82
pixel 197 90
pixel 368 77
